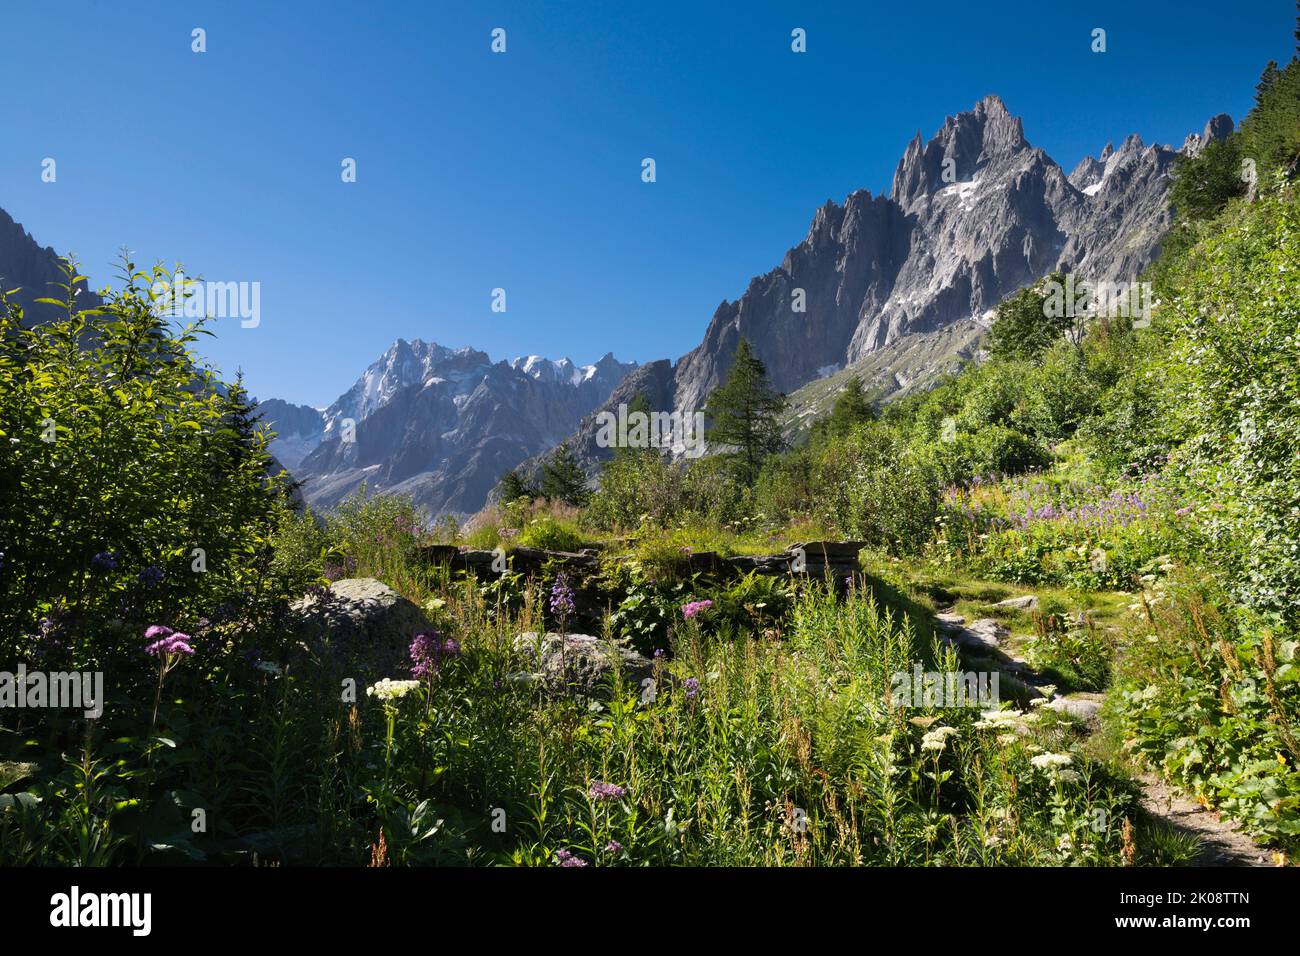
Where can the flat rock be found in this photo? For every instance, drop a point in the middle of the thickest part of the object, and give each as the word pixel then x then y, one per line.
pixel 440 553
pixel 1026 602
pixel 771 563
pixel 983 634
pixel 1081 705
pixel 830 552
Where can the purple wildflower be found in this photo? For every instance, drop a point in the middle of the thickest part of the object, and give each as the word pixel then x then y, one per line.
pixel 692 608
pixel 151 576
pixel 603 792
pixel 691 687
pixel 104 561
pixel 562 598
pixel 171 643
pixel 428 651
pixel 613 847
pixel 566 858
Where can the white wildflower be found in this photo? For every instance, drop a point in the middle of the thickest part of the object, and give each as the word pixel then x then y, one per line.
pixel 1050 761
pixel 389 689
pixel 998 719
pixel 937 739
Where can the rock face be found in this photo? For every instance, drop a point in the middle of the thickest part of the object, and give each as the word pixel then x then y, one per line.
pixel 578 664
pixel 362 617
pixel 1217 128
pixel 443 425
pixel 298 430
pixel 34 272
pixel 974 214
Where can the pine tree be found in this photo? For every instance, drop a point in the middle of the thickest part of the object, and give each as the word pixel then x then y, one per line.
pixel 514 486
pixel 563 478
pixel 743 413
pixel 851 407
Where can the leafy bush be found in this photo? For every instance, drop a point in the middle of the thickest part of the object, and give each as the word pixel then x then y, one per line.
pixel 143 482
pixel 1212 699
pixel 551 533
pixel 752 604
pixel 1073 649
pixel 993 450
pixel 876 488
pixel 1237 311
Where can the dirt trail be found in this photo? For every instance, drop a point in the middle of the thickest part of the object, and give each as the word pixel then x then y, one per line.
pixel 1221 841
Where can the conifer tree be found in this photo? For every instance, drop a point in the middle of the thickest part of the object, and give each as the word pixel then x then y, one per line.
pixel 563 478
pixel 743 413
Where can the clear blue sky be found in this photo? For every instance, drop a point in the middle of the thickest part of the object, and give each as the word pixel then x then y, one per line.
pixel 522 170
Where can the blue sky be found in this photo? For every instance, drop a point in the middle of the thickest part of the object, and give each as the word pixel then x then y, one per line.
pixel 523 170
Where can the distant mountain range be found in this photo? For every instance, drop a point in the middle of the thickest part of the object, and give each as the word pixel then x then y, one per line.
pixel 439 424
pixel 896 289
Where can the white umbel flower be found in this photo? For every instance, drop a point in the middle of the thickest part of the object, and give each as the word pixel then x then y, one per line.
pixel 937 739
pixel 998 719
pixel 1051 761
pixel 389 689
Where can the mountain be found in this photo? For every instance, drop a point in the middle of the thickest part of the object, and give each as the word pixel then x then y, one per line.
pixel 973 215
pixel 31 271
pixel 439 424
pixel 298 429
pixel 897 288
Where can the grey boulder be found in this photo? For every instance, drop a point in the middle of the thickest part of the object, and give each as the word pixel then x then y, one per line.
pixel 363 617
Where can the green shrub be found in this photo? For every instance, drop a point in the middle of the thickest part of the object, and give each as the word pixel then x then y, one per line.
pixel 1211 698
pixel 551 533
pixel 137 485
pixel 1237 309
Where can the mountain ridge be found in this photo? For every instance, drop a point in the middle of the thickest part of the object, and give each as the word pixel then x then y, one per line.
pixel 974 214
pixel 439 424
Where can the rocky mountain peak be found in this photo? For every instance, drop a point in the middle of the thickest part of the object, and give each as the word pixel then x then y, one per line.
pixel 33 271
pixel 974 214
pixel 963 145
pixel 1216 128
